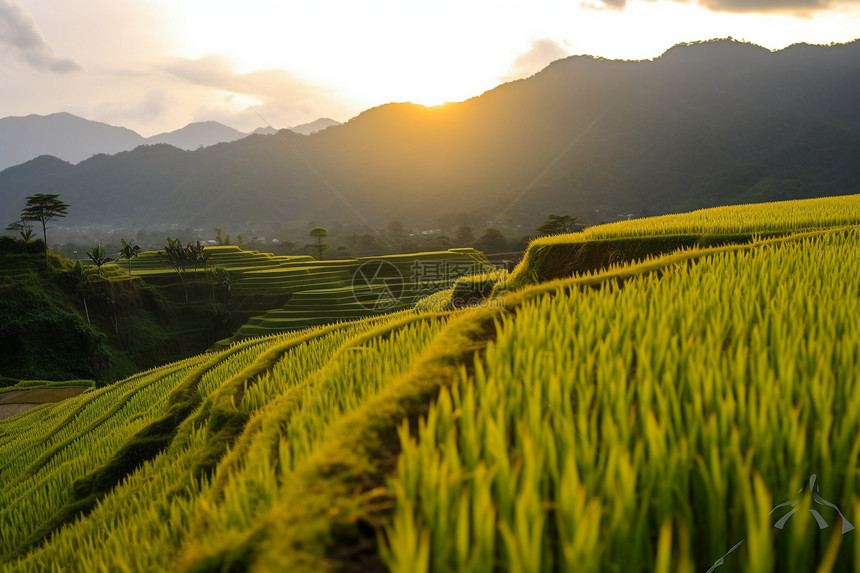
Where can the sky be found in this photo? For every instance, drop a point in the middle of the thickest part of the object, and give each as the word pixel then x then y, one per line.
pixel 157 65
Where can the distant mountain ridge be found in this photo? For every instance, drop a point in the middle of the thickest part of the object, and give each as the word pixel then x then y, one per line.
pixel 711 123
pixel 314 126
pixel 73 139
pixel 199 134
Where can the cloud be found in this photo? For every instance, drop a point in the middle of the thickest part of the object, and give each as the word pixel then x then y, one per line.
pixel 217 72
pixel 797 7
pixel 801 7
pixel 528 63
pixel 20 36
pixel 600 4
pixel 152 107
pixel 277 95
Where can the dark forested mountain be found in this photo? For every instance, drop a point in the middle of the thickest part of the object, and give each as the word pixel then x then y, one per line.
pixel 709 123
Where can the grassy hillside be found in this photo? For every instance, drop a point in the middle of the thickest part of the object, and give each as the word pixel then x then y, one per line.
pixel 41 333
pixel 268 294
pixel 646 417
pixel 57 324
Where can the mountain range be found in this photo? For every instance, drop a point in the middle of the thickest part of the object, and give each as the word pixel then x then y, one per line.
pixel 707 123
pixel 74 138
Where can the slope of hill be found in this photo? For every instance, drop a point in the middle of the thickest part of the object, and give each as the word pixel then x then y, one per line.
pixel 646 418
pixel 314 126
pixel 73 139
pixel 62 135
pixel 706 124
pixel 270 294
pixel 106 324
pixel 199 134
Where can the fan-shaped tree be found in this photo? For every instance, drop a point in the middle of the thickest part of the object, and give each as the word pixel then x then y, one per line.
pixel 44 207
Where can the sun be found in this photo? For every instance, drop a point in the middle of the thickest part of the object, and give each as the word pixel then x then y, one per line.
pixel 365 54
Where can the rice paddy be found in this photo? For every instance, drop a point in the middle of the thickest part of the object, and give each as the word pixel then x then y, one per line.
pixel 661 415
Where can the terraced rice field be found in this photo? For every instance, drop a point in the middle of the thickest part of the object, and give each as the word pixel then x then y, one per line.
pixel 667 415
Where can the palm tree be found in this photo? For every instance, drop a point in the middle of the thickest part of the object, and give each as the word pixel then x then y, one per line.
pixel 98 255
pixel 197 255
pixel 21 227
pixel 79 273
pixel 128 252
pixel 179 258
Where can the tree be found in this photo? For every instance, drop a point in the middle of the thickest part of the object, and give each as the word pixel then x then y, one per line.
pixel 364 244
pixel 21 227
pixel 219 276
pixel 179 259
pixel 197 256
pixel 98 255
pixel 128 252
pixel 464 235
pixel 79 274
pixel 44 207
pixel 319 234
pixel 395 232
pixel 492 241
pixel 559 225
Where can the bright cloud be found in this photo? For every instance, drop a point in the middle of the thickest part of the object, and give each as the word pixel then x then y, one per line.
pixel 798 7
pixel 156 65
pixel 528 63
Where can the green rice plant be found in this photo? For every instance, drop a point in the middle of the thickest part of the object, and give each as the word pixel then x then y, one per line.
pixel 650 424
pixel 603 246
pixel 644 418
pixel 434 302
pixel 776 217
pixel 360 360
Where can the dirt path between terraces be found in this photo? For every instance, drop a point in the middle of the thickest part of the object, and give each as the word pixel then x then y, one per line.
pixel 17 401
pixel 9 410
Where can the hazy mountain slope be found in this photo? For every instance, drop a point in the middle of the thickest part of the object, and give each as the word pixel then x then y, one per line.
pixel 60 134
pixel 199 134
pixel 74 139
pixel 40 175
pixel 314 126
pixel 710 123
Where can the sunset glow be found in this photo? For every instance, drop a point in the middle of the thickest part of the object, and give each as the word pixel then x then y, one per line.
pixel 160 64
